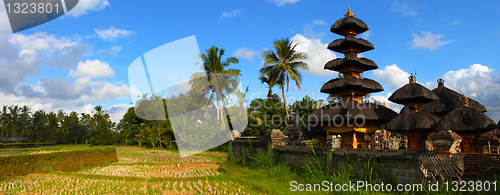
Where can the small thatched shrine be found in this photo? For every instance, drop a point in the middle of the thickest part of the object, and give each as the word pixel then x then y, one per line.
pixel 351 118
pixel 415 125
pixel 467 122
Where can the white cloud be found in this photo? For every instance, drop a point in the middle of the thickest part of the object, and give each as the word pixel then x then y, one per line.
pixel 112 33
pixel 391 75
pixel 86 5
pixel 385 99
pixel 231 14
pixel 477 81
pixel 23 56
pixel 283 2
pixel 309 29
pixel 111 51
pixel 404 7
pixel 92 69
pixel 366 34
pixel 116 111
pixel 456 22
pixel 428 41
pixel 317 55
pixel 245 53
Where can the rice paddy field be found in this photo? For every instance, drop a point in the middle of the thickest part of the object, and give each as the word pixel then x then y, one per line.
pixel 142 171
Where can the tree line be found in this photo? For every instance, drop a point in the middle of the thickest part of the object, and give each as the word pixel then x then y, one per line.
pixel 215 82
pixel 57 127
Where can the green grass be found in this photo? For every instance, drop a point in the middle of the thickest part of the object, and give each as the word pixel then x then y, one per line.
pixel 155 171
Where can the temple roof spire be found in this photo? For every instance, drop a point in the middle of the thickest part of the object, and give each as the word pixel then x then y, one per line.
pixel 349 13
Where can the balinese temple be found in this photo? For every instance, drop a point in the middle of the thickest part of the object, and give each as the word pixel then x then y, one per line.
pixel 415 125
pixel 447 101
pixel 351 118
pixel 469 123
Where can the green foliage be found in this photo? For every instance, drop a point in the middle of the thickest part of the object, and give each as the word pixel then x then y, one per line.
pixel 300 110
pixel 61 128
pixel 264 114
pixel 17 165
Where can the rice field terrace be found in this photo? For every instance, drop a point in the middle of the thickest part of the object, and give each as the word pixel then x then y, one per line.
pixel 137 171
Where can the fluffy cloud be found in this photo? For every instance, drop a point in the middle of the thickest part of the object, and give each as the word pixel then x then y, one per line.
pixel 428 41
pixel 23 56
pixel 389 104
pixel 245 53
pixel 87 5
pixel 317 55
pixel 309 29
pixel 231 14
pixel 480 83
pixel 392 76
pixel 92 69
pixel 283 2
pixel 112 33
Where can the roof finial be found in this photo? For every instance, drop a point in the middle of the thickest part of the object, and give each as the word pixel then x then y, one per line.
pixel 413 79
pixel 464 100
pixel 349 13
pixel 440 82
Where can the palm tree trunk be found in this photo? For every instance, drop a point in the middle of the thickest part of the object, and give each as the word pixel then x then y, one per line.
pixel 284 99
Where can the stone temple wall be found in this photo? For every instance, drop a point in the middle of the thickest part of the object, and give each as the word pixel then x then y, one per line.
pixel 401 166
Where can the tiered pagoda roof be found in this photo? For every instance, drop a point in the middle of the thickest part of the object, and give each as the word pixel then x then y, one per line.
pixel 349 62
pixel 350 87
pixel 413 95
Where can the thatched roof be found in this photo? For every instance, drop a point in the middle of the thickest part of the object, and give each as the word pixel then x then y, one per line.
pixel 351 111
pixel 349 22
pixel 351 83
pixel 350 60
pixel 412 122
pixel 315 129
pixel 497 130
pixel 350 41
pixel 466 120
pixel 412 93
pixel 448 101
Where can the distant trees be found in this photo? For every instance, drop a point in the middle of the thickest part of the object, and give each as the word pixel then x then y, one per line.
pixel 59 127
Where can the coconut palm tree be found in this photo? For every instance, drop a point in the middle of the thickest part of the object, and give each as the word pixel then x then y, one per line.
pixel 4 119
pixel 284 64
pixel 217 78
pixel 271 82
pixel 25 121
pixel 14 116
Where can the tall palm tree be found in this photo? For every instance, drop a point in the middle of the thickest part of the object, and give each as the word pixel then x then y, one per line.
pixel 284 64
pixel 4 119
pixel 14 114
pixel 216 77
pixel 25 121
pixel 271 82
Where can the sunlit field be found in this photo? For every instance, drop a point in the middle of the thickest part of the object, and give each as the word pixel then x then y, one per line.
pixel 137 171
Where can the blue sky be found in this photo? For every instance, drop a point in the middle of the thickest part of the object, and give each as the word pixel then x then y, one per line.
pixel 81 59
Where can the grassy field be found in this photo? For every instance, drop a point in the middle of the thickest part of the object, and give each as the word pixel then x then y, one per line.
pixel 148 171
pixel 158 171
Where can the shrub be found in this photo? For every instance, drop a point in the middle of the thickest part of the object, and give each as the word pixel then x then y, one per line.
pixel 17 165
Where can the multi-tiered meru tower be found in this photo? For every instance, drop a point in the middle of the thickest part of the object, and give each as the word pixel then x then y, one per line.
pixel 351 118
